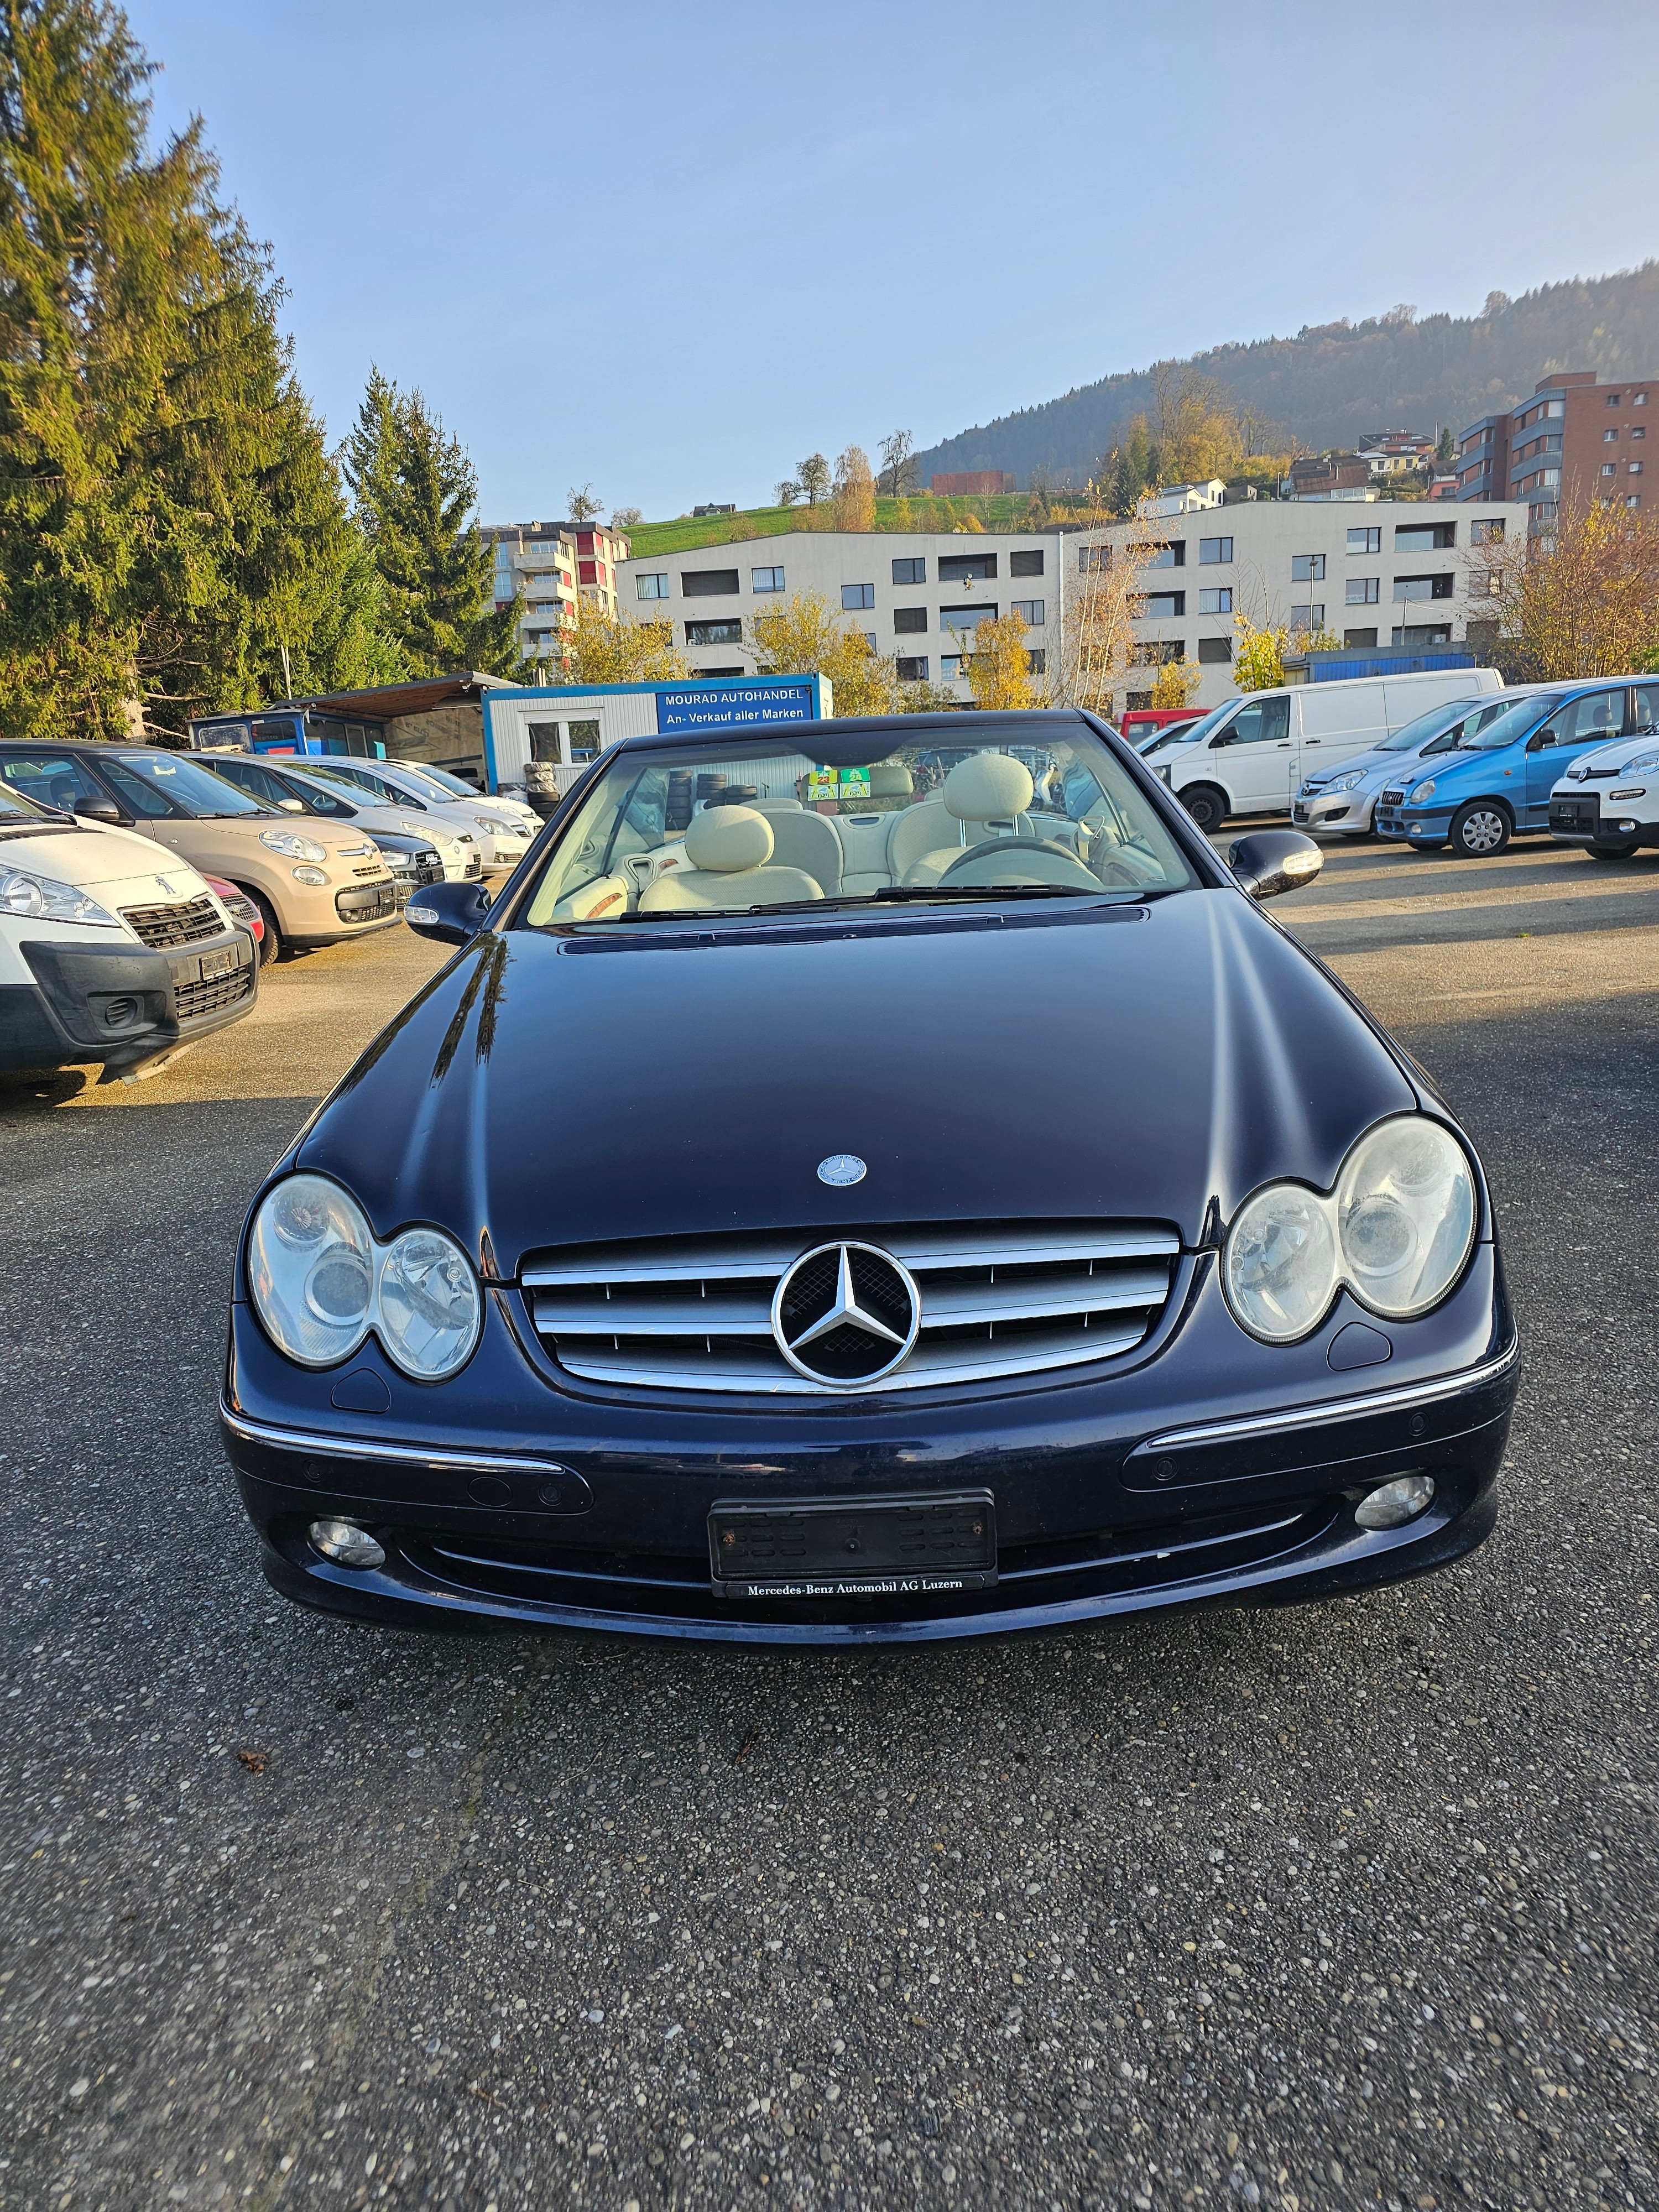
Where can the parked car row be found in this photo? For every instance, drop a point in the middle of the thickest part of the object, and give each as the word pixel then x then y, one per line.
pixel 111 950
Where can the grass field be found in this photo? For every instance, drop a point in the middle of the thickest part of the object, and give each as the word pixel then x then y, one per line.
pixel 995 511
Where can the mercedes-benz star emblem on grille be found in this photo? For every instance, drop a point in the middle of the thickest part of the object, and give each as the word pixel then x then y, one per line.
pixel 845 1315
pixel 841 1168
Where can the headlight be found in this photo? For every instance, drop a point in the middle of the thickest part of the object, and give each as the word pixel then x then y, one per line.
pixel 1423 790
pixel 320 1283
pixel 291 842
pixel 490 823
pixel 309 876
pixel 1348 782
pixel 1643 764
pixel 21 892
pixel 1628 791
pixel 414 829
pixel 1396 1230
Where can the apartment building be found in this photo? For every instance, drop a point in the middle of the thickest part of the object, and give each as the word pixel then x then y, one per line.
pixel 550 563
pixel 1576 439
pixel 1379 572
pixel 917 596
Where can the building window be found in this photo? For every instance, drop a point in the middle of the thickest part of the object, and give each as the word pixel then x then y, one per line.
pixel 966 568
pixel 1173 555
pixel 907 620
pixel 1037 662
pixel 708 583
pixel 1026 564
pixel 1487 532
pixel 1423 587
pixel 714 633
pixel 1609 468
pixel 854 596
pixel 1214 552
pixel 1311 617
pixel 765 580
pixel 1215 649
pixel 873 641
pixel 1422 634
pixel 1614 398
pixel 965 618
pixel 1155 653
pixel 652 587
pixel 1638 399
pixel 1640 431
pixel 1307 568
pixel 1217 602
pixel 1034 612
pixel 949 667
pixel 1359 637
pixel 1364 541
pixel 1363 591
pixel 913 668
pixel 1093 560
pixel 1163 606
pixel 910 572
pixel 1425 538
pixel 1609 437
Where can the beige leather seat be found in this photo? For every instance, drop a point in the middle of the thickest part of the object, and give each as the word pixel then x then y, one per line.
pixel 801 839
pixel 729 849
pixel 986 795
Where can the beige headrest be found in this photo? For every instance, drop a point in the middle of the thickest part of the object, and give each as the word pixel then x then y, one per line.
pixel 987 788
pixel 779 806
pixel 725 839
pixel 888 781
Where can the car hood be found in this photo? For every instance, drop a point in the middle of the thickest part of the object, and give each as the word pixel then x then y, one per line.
pixel 1136 1064
pixel 1376 768
pixel 94 859
pixel 1608 759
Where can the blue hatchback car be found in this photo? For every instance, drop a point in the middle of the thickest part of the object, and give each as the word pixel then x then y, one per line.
pixel 1498 782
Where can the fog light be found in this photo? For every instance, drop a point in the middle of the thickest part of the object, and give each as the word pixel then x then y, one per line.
pixel 309 876
pixel 1391 1507
pixel 348 1546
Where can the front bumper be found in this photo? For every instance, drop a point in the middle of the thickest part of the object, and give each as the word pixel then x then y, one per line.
pixel 1579 821
pixel 505 1499
pixel 359 910
pixel 1347 811
pixel 123 1004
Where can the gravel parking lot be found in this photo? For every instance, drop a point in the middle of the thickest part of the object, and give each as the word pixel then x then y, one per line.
pixel 1344 1906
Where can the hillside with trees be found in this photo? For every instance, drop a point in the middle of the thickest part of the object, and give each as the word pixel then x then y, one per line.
pixel 1332 382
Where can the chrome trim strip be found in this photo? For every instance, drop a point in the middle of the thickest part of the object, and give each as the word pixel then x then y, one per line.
pixel 916 1374
pixel 264 1432
pixel 1334 1409
pixel 678 1260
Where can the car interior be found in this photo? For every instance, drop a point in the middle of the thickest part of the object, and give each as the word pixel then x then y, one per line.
pixel 660 835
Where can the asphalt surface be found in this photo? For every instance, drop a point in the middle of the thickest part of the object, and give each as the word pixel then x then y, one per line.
pixel 1351 1904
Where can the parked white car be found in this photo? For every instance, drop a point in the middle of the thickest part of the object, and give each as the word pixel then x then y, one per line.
pixel 1339 799
pixel 516 812
pixel 1250 755
pixel 112 949
pixel 418 849
pixel 1608 800
pixel 503 837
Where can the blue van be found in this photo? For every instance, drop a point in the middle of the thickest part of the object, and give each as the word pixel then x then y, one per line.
pixel 1497 783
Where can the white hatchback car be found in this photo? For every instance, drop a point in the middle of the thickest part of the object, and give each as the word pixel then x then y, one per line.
pixel 502 837
pixel 112 949
pixel 1609 801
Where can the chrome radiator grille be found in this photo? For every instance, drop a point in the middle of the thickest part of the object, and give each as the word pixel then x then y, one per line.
pixel 995 1299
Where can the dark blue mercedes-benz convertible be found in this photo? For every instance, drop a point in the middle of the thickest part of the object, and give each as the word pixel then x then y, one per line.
pixel 869 1180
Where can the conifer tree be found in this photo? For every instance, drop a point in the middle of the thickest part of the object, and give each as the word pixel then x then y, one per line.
pixel 415 491
pixel 168 515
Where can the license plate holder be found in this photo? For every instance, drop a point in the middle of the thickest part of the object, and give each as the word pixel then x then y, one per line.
pixel 819 1548
pixel 218 963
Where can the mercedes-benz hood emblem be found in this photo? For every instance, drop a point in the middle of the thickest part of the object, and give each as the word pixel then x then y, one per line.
pixel 845 1315
pixel 841 1169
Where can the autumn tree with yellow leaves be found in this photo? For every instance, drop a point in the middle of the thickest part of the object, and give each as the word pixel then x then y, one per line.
pixel 1583 601
pixel 999 665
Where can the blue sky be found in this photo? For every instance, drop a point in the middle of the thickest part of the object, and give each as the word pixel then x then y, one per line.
pixel 670 248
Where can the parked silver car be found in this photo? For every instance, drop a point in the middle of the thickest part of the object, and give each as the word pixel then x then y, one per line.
pixel 1340 799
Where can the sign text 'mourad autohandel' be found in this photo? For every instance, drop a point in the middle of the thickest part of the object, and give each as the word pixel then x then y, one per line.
pixel 723 707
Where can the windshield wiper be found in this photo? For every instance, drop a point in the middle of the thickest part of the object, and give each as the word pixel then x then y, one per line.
pixel 899 892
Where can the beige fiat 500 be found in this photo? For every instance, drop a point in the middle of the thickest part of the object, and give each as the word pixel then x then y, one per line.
pixel 312 883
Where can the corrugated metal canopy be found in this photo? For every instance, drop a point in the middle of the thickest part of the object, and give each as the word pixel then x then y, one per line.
pixel 383 700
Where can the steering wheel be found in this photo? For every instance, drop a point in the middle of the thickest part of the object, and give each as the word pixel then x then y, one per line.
pixel 1044 863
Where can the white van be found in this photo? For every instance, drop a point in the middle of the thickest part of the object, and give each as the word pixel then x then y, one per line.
pixel 1249 756
pixel 111 948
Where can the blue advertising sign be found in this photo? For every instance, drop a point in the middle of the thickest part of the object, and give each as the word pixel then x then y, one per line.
pixel 732 706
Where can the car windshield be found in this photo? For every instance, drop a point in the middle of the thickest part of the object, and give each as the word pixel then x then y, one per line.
pixel 1425 726
pixel 157 783
pixel 760 829
pixel 366 790
pixel 1183 733
pixel 1519 720
pixel 448 786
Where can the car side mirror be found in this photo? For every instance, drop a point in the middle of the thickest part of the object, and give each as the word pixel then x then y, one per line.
pixel 98 810
pixel 1272 861
pixel 449 913
pixel 292 805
